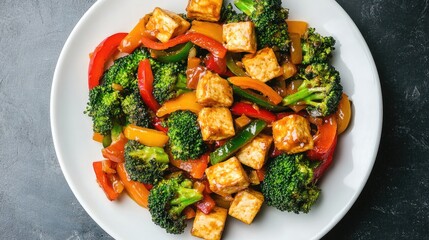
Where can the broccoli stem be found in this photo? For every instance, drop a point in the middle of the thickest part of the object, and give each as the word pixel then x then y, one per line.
pixel 305 94
pixel 185 197
pixel 246 6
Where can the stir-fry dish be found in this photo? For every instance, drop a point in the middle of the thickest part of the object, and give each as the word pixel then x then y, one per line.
pixel 215 112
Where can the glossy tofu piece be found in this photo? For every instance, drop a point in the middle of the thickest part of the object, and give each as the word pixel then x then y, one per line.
pixel 263 65
pixel 292 134
pixel 254 154
pixel 207 10
pixel 214 91
pixel 239 37
pixel 216 123
pixel 209 226
pixel 227 177
pixel 164 24
pixel 246 205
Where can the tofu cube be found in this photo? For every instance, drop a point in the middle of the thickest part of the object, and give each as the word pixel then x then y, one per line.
pixel 209 226
pixel 216 123
pixel 263 65
pixel 255 152
pixel 240 37
pixel 292 134
pixel 214 91
pixel 246 205
pixel 165 24
pixel 208 10
pixel 227 177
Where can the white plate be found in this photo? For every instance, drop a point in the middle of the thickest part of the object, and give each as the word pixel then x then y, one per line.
pixel 123 219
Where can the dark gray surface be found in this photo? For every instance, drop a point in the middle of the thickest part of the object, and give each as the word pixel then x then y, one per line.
pixel 36 202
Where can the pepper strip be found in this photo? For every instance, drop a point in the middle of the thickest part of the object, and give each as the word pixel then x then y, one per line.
pixel 99 57
pixel 104 181
pixel 239 140
pixel 258 99
pixel 247 82
pixel 247 109
pixel 198 39
pixel 173 56
pixel 145 84
pixel 186 101
pixel 146 136
pixel 136 190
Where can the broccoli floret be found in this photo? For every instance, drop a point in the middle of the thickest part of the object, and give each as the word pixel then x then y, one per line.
pixel 169 79
pixel 269 18
pixel 229 15
pixel 135 110
pixel 145 164
pixel 288 184
pixel 167 200
pixel 321 89
pixel 104 107
pixel 105 103
pixel 316 48
pixel 185 139
pixel 124 70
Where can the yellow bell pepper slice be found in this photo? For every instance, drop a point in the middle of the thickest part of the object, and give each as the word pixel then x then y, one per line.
pixel 247 82
pixel 186 101
pixel 213 30
pixel 145 136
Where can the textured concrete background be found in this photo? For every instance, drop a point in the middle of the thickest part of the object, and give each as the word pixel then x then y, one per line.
pixel 36 202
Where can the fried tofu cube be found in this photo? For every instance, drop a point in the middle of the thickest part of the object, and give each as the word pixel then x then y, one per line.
pixel 227 177
pixel 209 226
pixel 292 134
pixel 240 37
pixel 208 10
pixel 263 65
pixel 254 154
pixel 214 91
pixel 216 123
pixel 165 24
pixel 246 205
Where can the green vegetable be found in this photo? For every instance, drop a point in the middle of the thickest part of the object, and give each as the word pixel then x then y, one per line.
pixel 288 184
pixel 258 99
pixel 167 200
pixel 135 110
pixel 105 103
pixel 145 164
pixel 321 89
pixel 174 55
pixel 169 80
pixel 229 15
pixel 230 63
pixel 249 132
pixel 269 18
pixel 316 48
pixel 185 139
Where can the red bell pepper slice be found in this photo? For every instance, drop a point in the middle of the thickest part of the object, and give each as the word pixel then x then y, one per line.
pixel 215 64
pixel 250 111
pixel 157 123
pixel 115 152
pixel 145 81
pixel 325 142
pixel 104 181
pixel 99 57
pixel 207 204
pixel 213 46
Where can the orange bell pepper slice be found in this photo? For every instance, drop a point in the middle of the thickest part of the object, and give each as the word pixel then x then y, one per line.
pixel 212 30
pixel 186 101
pixel 295 48
pixel 132 40
pixel 247 82
pixel 146 136
pixel 299 27
pixel 136 190
pixel 115 152
pixel 195 167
